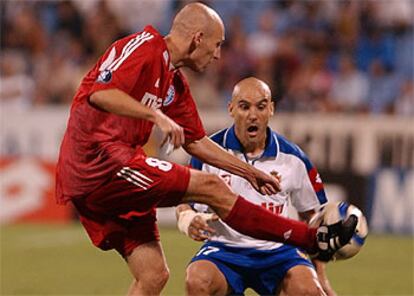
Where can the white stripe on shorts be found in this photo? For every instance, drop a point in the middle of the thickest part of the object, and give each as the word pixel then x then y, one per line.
pixel 126 177
pixel 135 177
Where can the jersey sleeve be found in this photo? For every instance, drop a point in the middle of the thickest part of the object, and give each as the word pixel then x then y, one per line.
pixel 310 193
pixel 184 111
pixel 124 63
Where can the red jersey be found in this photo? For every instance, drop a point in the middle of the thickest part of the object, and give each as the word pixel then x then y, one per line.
pixel 97 143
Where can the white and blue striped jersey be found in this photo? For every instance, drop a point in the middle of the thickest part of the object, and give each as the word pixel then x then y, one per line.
pixel 301 184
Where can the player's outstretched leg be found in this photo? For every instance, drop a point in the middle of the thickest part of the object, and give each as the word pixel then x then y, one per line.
pixel 256 221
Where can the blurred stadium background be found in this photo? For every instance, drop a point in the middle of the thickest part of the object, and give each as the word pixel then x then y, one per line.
pixel 342 78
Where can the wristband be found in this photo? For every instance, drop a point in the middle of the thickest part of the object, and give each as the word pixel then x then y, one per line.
pixel 185 218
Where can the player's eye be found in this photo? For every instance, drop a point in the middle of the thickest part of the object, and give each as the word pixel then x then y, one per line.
pixel 244 107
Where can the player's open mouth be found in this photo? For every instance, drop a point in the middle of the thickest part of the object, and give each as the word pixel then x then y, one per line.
pixel 252 130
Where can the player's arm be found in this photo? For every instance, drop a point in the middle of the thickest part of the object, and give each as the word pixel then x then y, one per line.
pixel 194 224
pixel 209 152
pixel 118 102
pixel 319 265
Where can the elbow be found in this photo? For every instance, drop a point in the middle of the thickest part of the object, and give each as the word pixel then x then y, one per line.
pixel 188 147
pixel 194 148
pixel 100 100
pixel 95 99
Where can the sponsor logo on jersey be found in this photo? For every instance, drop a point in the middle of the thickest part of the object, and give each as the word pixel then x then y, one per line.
pixel 105 76
pixel 152 101
pixel 272 207
pixel 170 96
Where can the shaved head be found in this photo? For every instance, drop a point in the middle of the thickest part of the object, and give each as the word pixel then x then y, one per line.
pixel 251 86
pixel 195 38
pixel 196 17
pixel 251 107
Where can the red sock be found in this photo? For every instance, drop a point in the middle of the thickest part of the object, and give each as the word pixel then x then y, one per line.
pixel 260 223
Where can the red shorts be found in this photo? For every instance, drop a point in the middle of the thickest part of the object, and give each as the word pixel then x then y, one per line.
pixel 122 213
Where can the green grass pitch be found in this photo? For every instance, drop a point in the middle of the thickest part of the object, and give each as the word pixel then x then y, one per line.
pixel 59 260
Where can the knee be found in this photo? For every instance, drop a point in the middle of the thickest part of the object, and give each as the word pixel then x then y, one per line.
pixel 197 283
pixel 302 280
pixel 305 288
pixel 155 280
pixel 310 290
pixel 161 278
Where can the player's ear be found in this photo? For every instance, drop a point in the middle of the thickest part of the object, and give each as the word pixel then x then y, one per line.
pixel 272 107
pixel 198 37
pixel 230 108
pixel 195 41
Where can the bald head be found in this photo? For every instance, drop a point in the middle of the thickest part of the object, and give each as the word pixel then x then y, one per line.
pixel 196 17
pixel 251 108
pixel 251 87
pixel 196 37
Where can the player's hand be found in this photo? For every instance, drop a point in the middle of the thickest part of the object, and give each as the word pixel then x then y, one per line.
pixel 264 183
pixel 198 229
pixel 172 132
pixel 195 225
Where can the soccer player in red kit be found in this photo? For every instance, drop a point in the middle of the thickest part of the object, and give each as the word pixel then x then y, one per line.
pixel 116 188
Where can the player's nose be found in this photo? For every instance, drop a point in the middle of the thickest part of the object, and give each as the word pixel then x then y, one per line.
pixel 252 115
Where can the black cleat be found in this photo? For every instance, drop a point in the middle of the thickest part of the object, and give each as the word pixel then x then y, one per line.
pixel 331 238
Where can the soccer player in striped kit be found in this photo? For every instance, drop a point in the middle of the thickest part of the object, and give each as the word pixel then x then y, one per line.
pixel 115 187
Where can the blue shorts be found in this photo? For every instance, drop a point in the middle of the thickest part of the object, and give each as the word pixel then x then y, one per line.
pixel 244 268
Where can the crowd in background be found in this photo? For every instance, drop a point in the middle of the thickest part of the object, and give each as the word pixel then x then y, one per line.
pixel 317 56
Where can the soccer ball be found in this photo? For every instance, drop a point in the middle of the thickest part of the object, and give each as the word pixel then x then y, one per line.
pixel 336 211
